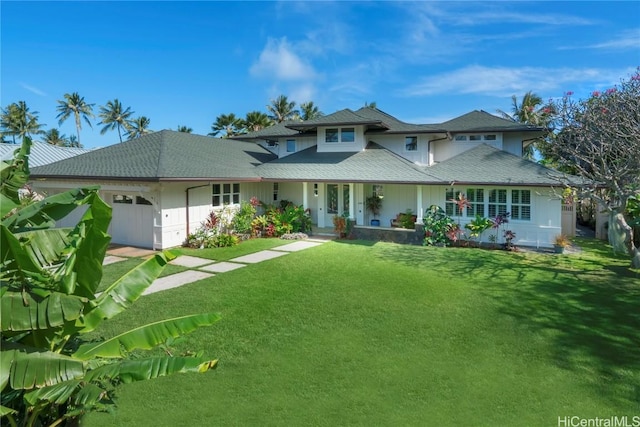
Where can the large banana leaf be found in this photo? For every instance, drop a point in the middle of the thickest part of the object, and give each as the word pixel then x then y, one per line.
pixel 22 312
pixel 44 213
pixel 145 337
pixel 27 368
pixel 125 291
pixel 14 175
pixel 18 268
pixel 154 367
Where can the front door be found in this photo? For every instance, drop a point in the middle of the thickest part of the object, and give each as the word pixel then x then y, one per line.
pixel 337 201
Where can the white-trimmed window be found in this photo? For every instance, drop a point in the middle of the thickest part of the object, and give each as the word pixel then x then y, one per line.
pixel 476 137
pixel 450 206
pixel 225 194
pixel 475 197
pixel 291 145
pixel 340 135
pixel 347 135
pixel 142 201
pixel 276 188
pixel 122 199
pixel 410 143
pixel 521 205
pixel 497 202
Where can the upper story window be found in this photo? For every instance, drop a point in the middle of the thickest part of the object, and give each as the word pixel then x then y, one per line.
pixel 411 143
pixel 333 135
pixel 291 145
pixel 476 137
pixel 347 135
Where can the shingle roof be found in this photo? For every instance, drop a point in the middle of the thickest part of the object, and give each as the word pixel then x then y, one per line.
pixel 374 164
pixel 342 117
pixel 164 155
pixel 278 130
pixel 481 121
pixel 41 153
pixel 487 165
pixel 394 125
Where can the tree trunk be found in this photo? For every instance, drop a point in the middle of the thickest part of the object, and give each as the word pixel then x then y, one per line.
pixel 621 235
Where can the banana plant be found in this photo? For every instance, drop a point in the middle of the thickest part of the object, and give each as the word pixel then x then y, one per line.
pixel 49 276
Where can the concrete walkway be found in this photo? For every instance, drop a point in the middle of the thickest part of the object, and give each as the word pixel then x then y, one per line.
pixel 203 268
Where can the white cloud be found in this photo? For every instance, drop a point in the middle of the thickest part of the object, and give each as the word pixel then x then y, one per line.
pixel 626 40
pixel 504 81
pixel 279 60
pixel 33 89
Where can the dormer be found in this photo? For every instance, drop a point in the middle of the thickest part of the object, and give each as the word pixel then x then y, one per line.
pixel 342 131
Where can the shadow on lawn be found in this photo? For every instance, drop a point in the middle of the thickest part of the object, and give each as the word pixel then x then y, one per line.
pixel 589 305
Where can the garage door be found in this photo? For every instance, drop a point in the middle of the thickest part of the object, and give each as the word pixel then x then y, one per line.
pixel 132 222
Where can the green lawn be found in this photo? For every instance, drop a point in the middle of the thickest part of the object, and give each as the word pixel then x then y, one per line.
pixel 356 333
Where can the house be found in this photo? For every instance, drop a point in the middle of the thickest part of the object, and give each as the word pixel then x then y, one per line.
pixel 162 185
pixel 41 153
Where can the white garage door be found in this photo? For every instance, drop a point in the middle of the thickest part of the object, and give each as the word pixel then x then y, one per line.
pixel 132 222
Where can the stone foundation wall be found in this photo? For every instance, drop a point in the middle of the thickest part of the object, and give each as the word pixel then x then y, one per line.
pixel 394 235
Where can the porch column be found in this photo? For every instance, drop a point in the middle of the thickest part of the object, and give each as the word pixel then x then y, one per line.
pixel 352 202
pixel 305 195
pixel 419 209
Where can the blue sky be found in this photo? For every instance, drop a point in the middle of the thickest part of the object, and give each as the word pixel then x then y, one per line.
pixel 184 63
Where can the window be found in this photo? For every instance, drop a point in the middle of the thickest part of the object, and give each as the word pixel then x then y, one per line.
pixel 450 206
pixel 331 135
pixel 345 198
pixel 521 204
pixel 411 143
pixel 488 137
pixel 142 201
pixel 475 196
pixel 225 194
pixel 276 188
pixel 347 135
pixel 123 199
pixel 378 191
pixel 271 143
pixel 332 198
pixel 291 145
pixel 497 202
pixel 340 135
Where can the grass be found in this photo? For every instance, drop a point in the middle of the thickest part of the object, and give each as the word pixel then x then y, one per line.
pixel 355 333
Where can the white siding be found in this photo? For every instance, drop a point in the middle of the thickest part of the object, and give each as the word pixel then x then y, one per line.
pixel 358 145
pixel 396 144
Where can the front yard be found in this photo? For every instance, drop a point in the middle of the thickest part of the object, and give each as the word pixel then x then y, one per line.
pixel 357 333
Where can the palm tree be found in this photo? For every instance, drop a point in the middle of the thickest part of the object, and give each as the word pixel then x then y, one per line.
pixel 73 142
pixel 138 127
pixel 17 120
pixel 530 111
pixel 54 137
pixel 281 109
pixel 76 105
pixel 256 120
pixel 310 111
pixel 114 117
pixel 229 123
pixel 185 129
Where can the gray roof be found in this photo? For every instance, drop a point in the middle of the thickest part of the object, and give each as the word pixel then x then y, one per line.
pixel 375 164
pixel 342 117
pixel 481 121
pixel 41 153
pixel 278 130
pixel 487 165
pixel 164 155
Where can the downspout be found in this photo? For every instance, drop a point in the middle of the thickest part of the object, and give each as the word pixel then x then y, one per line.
pixel 187 202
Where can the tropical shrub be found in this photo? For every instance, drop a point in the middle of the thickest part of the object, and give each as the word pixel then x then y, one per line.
pixel 438 226
pixel 49 374
pixel 407 220
pixel 241 223
pixel 477 226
